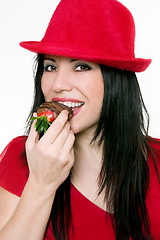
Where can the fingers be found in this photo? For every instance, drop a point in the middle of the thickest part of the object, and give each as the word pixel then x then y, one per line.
pixel 68 145
pixel 55 129
pixel 62 137
pixel 68 150
pixel 51 158
pixel 59 135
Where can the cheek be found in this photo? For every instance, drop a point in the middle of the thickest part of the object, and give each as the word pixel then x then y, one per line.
pixel 93 85
pixel 94 92
pixel 96 96
pixel 96 89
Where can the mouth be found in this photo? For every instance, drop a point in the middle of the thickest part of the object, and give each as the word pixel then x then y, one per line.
pixel 75 104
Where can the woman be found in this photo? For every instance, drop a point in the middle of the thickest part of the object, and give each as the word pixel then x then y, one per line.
pixel 95 176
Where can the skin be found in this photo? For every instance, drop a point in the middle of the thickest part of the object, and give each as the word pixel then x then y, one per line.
pixel 64 148
pixel 65 78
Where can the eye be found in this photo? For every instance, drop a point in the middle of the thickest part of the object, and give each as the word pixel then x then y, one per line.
pixel 82 68
pixel 49 68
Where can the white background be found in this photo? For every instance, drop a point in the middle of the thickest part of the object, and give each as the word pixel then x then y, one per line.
pixel 27 20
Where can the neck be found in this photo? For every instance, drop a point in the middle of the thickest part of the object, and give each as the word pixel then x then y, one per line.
pixel 88 162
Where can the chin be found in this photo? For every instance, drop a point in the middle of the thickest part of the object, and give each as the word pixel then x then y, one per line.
pixel 86 129
pixel 75 129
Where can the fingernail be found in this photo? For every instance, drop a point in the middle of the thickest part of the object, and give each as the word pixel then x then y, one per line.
pixel 66 112
pixel 34 114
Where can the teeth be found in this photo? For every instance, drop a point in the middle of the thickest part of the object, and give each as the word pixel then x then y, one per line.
pixel 72 104
pixel 76 104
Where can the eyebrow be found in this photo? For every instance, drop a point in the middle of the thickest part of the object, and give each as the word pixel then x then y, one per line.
pixel 53 60
pixel 50 59
pixel 73 60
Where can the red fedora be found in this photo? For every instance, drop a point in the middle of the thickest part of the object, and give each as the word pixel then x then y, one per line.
pixel 101 31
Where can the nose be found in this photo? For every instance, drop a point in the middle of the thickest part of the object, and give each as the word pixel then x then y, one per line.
pixel 62 81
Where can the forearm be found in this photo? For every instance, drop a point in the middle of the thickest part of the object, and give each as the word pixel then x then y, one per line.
pixel 31 215
pixel 49 160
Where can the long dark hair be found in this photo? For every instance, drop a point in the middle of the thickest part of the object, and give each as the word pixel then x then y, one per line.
pixel 123 131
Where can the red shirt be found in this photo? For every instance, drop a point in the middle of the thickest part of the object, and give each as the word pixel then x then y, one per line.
pixel 89 221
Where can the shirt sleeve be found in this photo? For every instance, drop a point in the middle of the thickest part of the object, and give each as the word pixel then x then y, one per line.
pixel 14 170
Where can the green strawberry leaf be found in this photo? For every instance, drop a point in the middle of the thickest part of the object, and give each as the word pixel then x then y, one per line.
pixel 41 124
pixel 33 118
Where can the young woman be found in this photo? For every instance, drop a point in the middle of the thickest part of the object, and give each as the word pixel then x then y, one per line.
pixel 95 176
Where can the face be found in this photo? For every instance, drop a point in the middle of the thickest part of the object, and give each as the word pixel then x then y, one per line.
pixel 77 84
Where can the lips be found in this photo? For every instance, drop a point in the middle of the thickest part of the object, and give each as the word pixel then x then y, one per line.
pixel 75 104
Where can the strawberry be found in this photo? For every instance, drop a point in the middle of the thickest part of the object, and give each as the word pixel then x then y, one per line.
pixel 44 120
pixel 49 114
pixel 46 114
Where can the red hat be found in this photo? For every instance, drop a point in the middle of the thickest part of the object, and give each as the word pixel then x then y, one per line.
pixel 101 31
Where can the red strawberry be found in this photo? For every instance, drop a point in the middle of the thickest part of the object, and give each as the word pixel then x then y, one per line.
pixel 49 114
pixel 44 120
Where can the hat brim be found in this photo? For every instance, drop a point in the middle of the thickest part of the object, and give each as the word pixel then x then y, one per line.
pixel 133 64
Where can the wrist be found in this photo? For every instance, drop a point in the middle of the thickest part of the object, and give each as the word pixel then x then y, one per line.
pixel 39 189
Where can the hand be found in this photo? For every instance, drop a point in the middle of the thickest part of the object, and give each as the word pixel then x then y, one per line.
pixel 51 158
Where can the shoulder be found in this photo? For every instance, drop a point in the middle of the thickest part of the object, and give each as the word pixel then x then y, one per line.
pixel 13 151
pixel 153 193
pixel 154 167
pixel 154 151
pixel 13 166
pixel 16 145
pixel 154 143
pixel 154 158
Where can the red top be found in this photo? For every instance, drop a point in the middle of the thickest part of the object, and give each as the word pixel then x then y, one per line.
pixel 89 221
